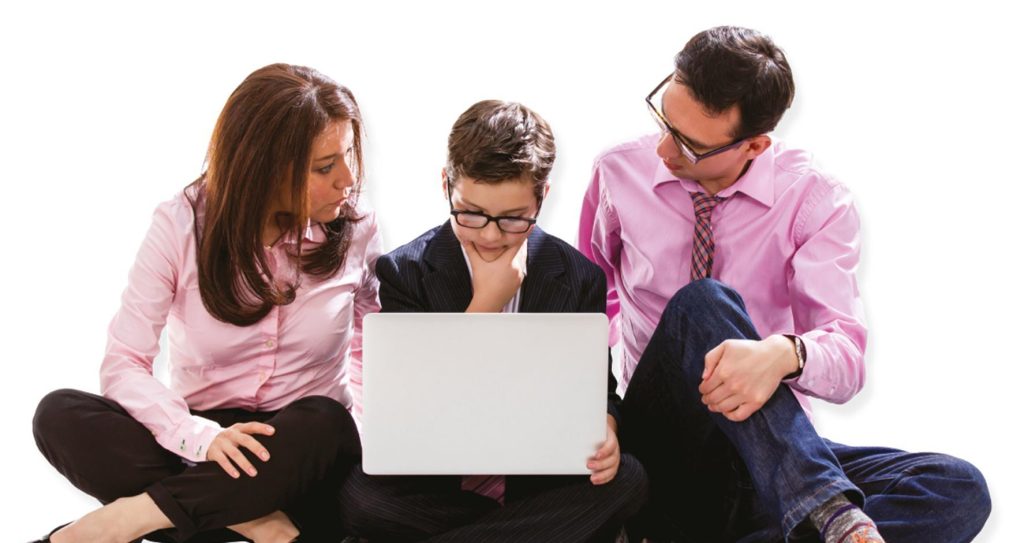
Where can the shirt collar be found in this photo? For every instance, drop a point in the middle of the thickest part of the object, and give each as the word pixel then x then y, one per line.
pixel 758 182
pixel 313 232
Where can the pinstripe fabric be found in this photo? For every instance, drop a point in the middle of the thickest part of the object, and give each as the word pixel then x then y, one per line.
pixel 430 274
pixel 562 509
pixel 492 486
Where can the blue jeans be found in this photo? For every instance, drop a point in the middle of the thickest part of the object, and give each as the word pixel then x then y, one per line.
pixel 712 479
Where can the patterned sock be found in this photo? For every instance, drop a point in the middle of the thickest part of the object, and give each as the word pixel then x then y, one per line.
pixel 839 521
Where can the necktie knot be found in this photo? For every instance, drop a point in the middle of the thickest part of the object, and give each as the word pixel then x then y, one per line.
pixel 703 204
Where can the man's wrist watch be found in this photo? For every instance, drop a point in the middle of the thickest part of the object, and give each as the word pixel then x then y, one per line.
pixel 801 356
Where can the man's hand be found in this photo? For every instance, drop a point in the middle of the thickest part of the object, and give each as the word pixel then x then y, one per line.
pixel 740 375
pixel 605 463
pixel 495 282
pixel 226 447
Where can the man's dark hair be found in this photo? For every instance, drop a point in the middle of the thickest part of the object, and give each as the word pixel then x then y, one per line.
pixel 729 65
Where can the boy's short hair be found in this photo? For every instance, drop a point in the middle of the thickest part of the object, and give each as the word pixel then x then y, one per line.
pixel 495 141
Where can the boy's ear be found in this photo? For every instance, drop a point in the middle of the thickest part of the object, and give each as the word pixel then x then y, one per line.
pixel 444 184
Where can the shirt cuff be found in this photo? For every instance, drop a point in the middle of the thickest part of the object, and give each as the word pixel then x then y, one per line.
pixel 192 439
pixel 800 348
pixel 808 377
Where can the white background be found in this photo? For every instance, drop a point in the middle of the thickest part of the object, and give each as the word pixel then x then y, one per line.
pixel 107 109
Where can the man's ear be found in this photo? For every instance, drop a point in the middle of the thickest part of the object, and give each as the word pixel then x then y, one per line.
pixel 757 145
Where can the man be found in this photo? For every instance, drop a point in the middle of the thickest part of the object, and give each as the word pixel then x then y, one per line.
pixel 731 263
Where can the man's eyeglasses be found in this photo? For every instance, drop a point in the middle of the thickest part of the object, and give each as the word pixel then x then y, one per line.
pixel 684 148
pixel 477 220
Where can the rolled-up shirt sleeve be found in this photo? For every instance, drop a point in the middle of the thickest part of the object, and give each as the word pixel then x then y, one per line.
pixel 827 310
pixel 598 239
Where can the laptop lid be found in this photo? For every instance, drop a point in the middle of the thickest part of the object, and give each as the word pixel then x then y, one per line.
pixel 483 393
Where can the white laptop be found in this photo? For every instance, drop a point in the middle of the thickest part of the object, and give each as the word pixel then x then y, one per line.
pixel 483 393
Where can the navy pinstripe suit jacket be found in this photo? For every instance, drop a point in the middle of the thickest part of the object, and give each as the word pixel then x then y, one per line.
pixel 429 275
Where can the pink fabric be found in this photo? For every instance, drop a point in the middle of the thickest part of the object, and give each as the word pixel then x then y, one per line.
pixel 786 238
pixel 298 350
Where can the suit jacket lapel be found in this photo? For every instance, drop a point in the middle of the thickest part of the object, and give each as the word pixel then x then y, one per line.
pixel 448 286
pixel 544 290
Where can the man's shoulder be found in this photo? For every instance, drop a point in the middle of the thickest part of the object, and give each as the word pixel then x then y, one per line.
pixel 798 166
pixel 628 166
pixel 641 148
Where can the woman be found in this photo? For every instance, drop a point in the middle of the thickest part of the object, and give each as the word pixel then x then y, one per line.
pixel 261 271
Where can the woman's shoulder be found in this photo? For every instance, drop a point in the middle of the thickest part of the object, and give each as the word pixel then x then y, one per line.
pixel 175 217
pixel 365 217
pixel 366 236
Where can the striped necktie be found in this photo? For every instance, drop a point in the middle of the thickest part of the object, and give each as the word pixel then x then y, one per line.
pixel 703 254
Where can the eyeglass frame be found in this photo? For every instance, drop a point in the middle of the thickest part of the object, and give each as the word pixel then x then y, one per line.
pixel 687 151
pixel 496 220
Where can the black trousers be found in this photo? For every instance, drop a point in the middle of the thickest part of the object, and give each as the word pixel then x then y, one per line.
pixel 537 508
pixel 107 454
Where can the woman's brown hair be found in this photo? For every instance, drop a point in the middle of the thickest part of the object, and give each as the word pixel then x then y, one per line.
pixel 260 153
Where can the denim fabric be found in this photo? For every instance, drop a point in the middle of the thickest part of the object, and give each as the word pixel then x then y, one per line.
pixel 712 479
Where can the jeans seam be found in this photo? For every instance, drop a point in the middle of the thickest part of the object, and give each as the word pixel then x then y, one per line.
pixel 892 482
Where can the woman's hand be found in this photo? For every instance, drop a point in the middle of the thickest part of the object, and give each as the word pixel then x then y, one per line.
pixel 226 447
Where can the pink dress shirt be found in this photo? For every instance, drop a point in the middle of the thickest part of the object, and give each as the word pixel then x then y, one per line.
pixel 786 238
pixel 297 350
